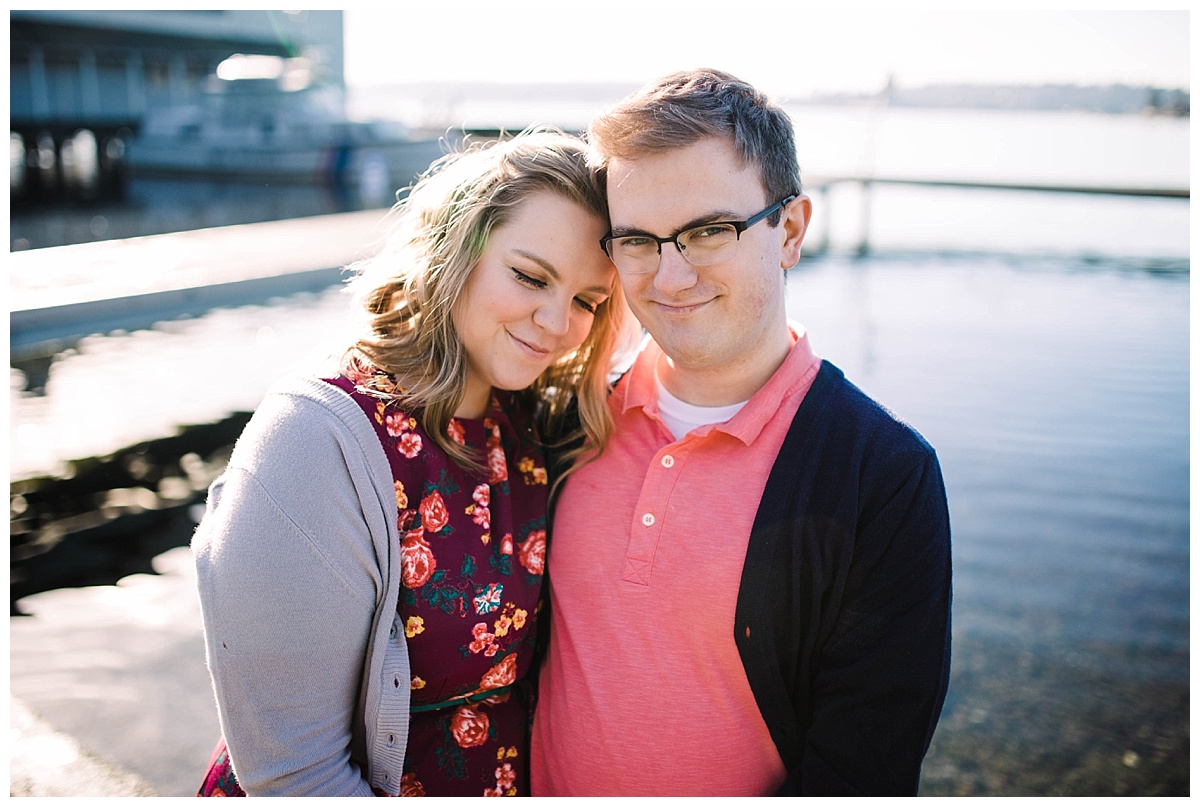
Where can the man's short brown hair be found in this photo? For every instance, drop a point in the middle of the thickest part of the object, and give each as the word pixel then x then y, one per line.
pixel 682 108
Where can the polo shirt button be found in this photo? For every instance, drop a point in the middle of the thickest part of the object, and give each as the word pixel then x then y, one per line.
pixel 668 461
pixel 648 519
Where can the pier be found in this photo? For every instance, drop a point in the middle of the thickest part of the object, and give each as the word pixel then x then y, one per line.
pixel 821 185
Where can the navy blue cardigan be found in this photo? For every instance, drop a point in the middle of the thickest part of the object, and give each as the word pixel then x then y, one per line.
pixel 843 613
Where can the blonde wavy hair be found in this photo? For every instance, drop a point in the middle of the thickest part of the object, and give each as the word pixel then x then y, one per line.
pixel 409 350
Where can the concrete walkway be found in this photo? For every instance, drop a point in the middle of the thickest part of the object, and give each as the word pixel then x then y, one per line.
pixel 60 294
pixel 109 693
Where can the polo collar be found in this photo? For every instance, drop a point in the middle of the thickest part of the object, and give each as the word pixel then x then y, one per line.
pixel 798 368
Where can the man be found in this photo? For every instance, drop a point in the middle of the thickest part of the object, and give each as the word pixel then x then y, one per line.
pixel 750 588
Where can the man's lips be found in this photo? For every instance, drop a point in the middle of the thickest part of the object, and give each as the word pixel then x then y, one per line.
pixel 678 307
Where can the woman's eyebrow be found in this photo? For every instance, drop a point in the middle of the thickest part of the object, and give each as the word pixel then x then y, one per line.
pixel 540 261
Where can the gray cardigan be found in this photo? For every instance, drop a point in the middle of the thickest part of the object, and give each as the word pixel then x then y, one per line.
pixel 298 570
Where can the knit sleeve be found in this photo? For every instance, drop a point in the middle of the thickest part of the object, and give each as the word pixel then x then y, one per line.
pixel 881 678
pixel 289 583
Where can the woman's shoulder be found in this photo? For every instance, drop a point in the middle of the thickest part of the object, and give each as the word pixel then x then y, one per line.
pixel 300 418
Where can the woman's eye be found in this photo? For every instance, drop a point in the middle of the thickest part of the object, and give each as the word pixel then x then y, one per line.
pixel 532 282
pixel 586 306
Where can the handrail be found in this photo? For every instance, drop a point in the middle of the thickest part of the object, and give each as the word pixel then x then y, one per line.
pixel 1046 187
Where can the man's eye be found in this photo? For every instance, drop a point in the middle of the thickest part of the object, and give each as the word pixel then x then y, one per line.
pixel 712 231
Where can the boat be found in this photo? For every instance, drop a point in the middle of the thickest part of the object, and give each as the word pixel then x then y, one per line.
pixel 265 118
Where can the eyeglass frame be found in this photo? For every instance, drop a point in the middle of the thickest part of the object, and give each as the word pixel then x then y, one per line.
pixel 739 226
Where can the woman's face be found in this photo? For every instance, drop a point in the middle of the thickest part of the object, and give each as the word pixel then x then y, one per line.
pixel 531 297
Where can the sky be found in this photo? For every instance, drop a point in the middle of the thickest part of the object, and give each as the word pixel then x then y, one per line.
pixel 783 47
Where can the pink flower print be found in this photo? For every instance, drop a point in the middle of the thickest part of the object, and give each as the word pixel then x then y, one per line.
pixel 503 674
pixel 469 727
pixel 417 562
pixel 497 467
pixel 434 515
pixel 533 552
pixel 409 786
pixel 397 424
pixel 456 432
pixel 410 444
pixel 406 518
pixel 483 640
pixel 505 776
pixel 488 599
pixel 359 372
pixel 506 544
pixel 481 516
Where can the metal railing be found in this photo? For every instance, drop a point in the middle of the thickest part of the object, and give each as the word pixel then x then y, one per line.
pixel 821 184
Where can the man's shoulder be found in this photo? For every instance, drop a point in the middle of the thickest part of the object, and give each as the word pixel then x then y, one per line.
pixel 840 413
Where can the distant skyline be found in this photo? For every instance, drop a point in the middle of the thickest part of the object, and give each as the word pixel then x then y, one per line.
pixel 785 48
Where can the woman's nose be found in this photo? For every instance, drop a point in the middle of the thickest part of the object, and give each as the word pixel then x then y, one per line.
pixel 553 317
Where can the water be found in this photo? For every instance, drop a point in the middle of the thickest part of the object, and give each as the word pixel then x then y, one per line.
pixel 1056 394
pixel 1040 343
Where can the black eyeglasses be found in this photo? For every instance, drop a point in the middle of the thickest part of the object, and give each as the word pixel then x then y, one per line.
pixel 701 246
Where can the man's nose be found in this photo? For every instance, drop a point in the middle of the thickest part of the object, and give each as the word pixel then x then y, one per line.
pixel 675 273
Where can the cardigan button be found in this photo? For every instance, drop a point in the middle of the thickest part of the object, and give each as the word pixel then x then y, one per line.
pixel 648 519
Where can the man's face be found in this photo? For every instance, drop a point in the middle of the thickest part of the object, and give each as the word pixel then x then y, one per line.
pixel 705 318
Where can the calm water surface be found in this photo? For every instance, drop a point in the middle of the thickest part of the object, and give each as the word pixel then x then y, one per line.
pixel 1056 394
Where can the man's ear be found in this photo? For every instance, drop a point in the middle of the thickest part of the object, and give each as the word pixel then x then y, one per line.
pixel 795 224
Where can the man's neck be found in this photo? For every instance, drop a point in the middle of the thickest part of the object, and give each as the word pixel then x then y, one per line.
pixel 728 382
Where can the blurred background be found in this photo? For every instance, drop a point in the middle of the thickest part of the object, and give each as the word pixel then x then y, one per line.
pixel 1000 253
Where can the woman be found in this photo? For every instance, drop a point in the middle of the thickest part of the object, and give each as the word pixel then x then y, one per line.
pixel 370 564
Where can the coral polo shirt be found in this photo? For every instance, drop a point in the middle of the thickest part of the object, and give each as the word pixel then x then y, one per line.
pixel 643 691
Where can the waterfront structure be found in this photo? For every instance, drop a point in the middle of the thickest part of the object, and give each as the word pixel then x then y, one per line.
pixel 102 72
pixel 106 68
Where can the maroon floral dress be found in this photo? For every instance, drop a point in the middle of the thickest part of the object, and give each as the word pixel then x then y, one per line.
pixel 473 548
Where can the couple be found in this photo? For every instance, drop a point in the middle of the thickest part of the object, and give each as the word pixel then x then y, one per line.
pixel 747 575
